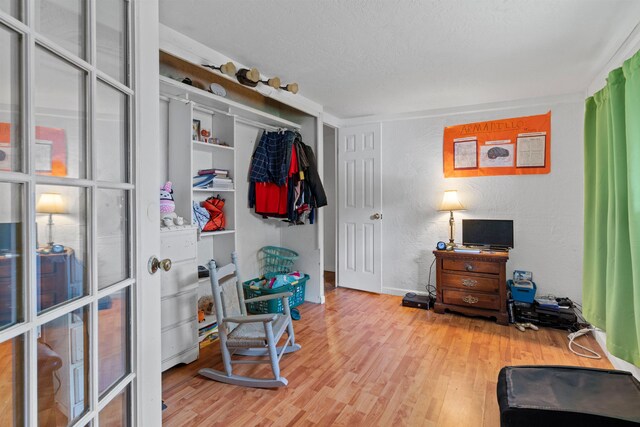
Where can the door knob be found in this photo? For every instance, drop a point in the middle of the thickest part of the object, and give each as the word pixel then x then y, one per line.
pixel 377 215
pixel 154 264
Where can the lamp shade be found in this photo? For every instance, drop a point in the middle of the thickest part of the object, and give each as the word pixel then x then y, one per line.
pixel 50 203
pixel 450 201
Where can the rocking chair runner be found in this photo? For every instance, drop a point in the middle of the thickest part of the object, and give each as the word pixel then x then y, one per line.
pixel 247 335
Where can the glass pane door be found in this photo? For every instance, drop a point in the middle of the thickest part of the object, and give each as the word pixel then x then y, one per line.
pixel 66 234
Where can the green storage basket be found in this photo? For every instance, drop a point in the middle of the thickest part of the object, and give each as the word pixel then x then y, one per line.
pixel 297 288
pixel 275 260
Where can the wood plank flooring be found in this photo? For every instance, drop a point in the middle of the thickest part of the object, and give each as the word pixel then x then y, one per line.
pixel 366 360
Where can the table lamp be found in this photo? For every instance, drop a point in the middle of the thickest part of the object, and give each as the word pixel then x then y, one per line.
pixel 451 203
pixel 50 203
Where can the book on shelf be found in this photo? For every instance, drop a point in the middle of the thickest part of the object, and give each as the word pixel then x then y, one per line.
pixel 202 181
pixel 206 181
pixel 217 172
pixel 207 328
pixel 208 341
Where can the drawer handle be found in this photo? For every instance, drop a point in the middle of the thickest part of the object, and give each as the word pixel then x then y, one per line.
pixel 468 267
pixel 470 300
pixel 469 283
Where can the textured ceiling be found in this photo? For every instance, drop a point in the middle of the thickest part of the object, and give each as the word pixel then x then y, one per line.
pixel 362 57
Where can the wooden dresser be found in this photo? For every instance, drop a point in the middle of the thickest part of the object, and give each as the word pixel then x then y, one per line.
pixel 473 284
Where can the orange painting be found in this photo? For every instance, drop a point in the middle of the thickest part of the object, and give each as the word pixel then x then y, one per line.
pixel 50 150
pixel 514 146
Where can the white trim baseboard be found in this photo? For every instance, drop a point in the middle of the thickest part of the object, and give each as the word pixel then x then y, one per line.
pixel 601 338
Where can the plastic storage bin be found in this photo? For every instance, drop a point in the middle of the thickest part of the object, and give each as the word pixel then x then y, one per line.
pixel 297 288
pixel 522 291
pixel 275 260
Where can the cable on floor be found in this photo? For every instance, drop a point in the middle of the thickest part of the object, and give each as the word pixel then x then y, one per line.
pixel 572 342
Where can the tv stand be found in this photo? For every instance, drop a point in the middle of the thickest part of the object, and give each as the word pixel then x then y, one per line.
pixel 472 283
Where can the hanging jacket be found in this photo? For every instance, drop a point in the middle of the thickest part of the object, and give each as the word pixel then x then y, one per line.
pixel 271 199
pixel 270 162
pixel 312 178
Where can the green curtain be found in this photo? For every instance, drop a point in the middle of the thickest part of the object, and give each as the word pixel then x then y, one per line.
pixel 611 272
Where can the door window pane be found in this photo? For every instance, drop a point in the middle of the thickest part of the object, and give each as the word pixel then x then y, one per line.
pixel 60 106
pixel 63 369
pixel 113 338
pixel 113 236
pixel 11 255
pixel 62 238
pixel 10 117
pixel 111 38
pixel 12 382
pixel 112 133
pixel 12 7
pixel 116 413
pixel 64 23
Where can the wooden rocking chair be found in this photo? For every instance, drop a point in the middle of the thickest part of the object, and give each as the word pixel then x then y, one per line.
pixel 247 335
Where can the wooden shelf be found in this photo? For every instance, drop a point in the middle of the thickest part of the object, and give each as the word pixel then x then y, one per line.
pixel 171 87
pixel 214 190
pixel 216 233
pixel 204 145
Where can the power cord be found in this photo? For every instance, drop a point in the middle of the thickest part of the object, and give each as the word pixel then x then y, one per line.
pixel 573 336
pixel 431 290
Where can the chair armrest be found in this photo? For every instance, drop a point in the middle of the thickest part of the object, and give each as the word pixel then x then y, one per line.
pixel 252 318
pixel 269 297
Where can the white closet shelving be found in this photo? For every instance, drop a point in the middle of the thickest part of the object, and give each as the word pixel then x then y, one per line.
pixel 186 156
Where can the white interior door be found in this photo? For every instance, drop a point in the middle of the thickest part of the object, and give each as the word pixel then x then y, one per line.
pixel 147 393
pixel 359 208
pixel 76 213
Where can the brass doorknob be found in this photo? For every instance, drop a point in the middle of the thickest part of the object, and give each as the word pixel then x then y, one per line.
pixel 377 215
pixel 154 264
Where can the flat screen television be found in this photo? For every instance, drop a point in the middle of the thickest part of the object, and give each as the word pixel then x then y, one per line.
pixel 9 238
pixel 495 233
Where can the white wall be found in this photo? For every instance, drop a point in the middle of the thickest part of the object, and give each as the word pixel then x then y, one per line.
pixel 329 181
pixel 546 209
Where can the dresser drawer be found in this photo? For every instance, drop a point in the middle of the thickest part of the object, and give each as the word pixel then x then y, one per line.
pixel 471 266
pixel 179 245
pixel 179 339
pixel 177 309
pixel 471 299
pixel 470 282
pixel 8 267
pixel 181 276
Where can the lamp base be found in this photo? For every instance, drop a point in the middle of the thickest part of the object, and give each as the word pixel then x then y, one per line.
pixel 451 246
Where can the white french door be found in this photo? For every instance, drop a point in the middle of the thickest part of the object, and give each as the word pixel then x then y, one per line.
pixel 359 208
pixel 69 234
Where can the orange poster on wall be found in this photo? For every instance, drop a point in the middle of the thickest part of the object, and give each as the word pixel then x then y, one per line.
pixel 515 146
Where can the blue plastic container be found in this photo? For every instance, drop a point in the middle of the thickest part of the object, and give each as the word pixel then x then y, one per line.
pixel 522 291
pixel 297 288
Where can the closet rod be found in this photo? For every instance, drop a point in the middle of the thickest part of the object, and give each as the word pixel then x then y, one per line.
pixel 261 125
pixel 209 110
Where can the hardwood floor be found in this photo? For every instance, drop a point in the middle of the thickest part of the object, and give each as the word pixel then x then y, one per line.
pixel 366 360
pixel 329 281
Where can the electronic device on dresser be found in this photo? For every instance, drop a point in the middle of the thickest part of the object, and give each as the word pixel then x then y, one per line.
pixel 489 233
